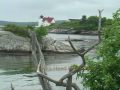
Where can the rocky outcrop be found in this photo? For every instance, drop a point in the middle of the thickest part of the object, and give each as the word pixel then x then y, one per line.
pixel 72 31
pixel 48 44
pixel 10 42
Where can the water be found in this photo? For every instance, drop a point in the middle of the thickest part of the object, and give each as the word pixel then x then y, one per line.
pixel 15 69
pixel 72 36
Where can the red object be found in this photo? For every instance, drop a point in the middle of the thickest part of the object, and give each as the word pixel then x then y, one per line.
pixel 48 19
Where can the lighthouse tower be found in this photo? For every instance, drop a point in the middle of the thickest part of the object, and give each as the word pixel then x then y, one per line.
pixel 40 20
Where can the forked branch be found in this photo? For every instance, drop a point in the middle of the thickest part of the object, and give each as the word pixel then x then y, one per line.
pixel 40 74
pixel 82 54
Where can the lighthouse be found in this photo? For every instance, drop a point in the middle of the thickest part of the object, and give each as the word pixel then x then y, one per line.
pixel 40 21
pixel 45 21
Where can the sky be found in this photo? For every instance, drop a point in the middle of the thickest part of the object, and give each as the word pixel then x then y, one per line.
pixel 30 10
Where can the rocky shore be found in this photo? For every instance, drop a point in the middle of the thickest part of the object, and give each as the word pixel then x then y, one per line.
pixel 10 43
pixel 68 31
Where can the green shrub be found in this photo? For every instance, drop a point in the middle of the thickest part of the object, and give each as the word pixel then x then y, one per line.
pixel 18 30
pixel 41 31
pixel 23 31
pixel 104 73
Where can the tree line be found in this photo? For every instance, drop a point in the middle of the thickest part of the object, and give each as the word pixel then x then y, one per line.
pixel 103 71
pixel 85 23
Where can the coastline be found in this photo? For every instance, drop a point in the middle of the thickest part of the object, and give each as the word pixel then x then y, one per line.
pixel 16 45
pixel 24 53
pixel 75 32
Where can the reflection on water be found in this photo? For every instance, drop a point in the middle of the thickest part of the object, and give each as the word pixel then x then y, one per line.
pixel 13 69
pixel 15 63
pixel 24 63
pixel 59 62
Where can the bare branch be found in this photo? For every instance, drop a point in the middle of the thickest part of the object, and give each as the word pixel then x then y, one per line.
pixel 99 32
pixel 46 77
pixel 83 53
pixel 99 24
pixel 54 81
pixel 69 81
pixel 90 48
pixel 41 65
pixel 57 82
pixel 79 67
pixel 72 73
pixel 71 44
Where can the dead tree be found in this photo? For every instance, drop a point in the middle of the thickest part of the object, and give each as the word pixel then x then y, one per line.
pixel 35 48
pixel 40 62
pixel 82 55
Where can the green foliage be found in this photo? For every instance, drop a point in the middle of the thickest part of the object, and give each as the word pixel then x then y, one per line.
pixel 74 66
pixel 105 74
pixel 116 15
pixel 90 23
pixel 108 22
pixel 18 30
pixel 30 27
pixel 84 18
pixel 23 31
pixel 93 20
pixel 41 31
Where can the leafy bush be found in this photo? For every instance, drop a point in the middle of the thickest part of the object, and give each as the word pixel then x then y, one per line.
pixel 105 74
pixel 41 31
pixel 84 23
pixel 18 30
pixel 23 31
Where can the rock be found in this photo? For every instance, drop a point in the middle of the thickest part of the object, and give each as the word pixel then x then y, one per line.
pixel 73 31
pixel 63 31
pixel 11 42
pixel 49 44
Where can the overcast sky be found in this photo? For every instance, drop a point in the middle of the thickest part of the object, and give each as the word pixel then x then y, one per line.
pixel 30 10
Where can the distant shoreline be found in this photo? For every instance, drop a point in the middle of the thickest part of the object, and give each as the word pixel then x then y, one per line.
pixel 76 32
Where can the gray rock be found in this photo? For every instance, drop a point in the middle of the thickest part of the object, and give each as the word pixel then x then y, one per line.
pixel 11 42
pixel 49 44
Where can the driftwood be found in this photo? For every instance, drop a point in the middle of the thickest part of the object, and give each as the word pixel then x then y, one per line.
pixel 40 62
pixel 41 72
pixel 39 59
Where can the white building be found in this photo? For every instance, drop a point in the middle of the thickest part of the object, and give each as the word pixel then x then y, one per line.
pixel 45 21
